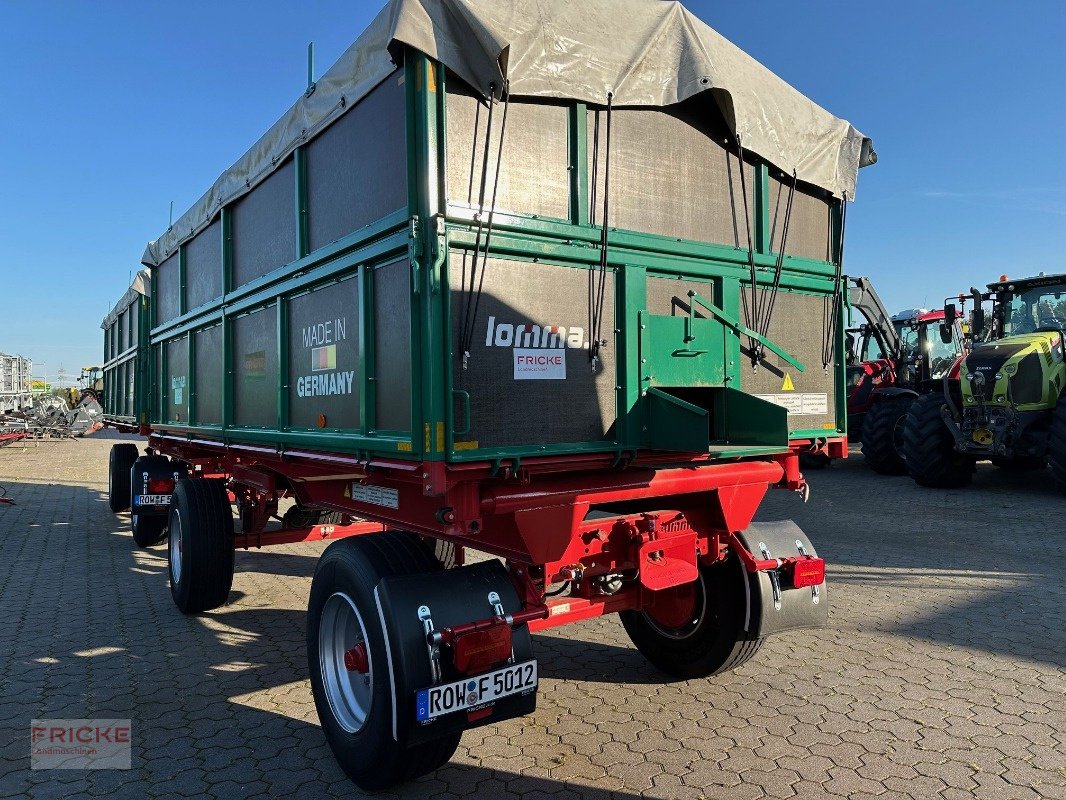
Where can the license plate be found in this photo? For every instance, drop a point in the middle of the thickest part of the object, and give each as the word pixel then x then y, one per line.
pixel 152 500
pixel 471 693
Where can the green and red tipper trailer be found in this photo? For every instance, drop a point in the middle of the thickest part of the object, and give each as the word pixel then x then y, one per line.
pixel 478 290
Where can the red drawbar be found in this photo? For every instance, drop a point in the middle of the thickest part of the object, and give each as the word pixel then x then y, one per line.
pixel 808 572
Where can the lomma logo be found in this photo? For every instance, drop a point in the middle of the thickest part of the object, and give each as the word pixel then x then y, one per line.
pixel 548 337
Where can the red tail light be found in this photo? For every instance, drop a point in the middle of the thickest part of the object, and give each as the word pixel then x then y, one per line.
pixel 478 650
pixel 160 486
pixel 808 572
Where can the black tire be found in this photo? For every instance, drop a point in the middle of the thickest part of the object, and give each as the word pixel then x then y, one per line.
pixel 814 461
pixel 351 569
pixel 301 517
pixel 714 641
pixel 929 448
pixel 119 482
pixel 882 441
pixel 1057 444
pixel 200 554
pixel 148 530
pixel 1020 463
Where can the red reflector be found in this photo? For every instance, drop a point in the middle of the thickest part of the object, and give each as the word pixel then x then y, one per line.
pixel 481 713
pixel 478 650
pixel 160 486
pixel 808 572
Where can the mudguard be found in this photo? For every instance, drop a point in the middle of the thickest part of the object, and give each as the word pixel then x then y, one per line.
pixel 148 468
pixel 775 607
pixel 452 597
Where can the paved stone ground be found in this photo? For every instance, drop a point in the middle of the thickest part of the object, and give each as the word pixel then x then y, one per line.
pixel 941 674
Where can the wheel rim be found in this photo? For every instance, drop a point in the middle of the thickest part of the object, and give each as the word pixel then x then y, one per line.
pixel 174 549
pixel 344 657
pixel 679 611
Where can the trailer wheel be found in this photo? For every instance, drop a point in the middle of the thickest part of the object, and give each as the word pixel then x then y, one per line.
pixel 882 440
pixel 697 630
pixel 148 530
pixel 348 662
pixel 929 448
pixel 201 545
pixel 1057 444
pixel 119 480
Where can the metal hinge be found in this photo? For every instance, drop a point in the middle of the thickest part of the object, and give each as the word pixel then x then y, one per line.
pixel 775 581
pixel 431 641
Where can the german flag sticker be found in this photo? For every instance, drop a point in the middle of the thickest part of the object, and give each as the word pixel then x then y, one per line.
pixel 323 358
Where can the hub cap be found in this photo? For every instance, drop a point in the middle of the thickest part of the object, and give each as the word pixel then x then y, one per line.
pixel 347 668
pixel 678 612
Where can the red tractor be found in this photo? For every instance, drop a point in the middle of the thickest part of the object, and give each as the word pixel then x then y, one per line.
pixel 892 360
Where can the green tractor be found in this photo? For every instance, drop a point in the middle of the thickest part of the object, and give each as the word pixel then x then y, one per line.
pixel 1006 404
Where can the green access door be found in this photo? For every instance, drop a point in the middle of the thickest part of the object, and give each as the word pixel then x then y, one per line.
pixel 681 344
pixel 685 365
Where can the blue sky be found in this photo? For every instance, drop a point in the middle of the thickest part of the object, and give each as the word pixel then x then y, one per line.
pixel 108 111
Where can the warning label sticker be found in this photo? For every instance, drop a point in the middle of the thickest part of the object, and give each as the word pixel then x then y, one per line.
pixel 539 364
pixel 800 403
pixel 375 495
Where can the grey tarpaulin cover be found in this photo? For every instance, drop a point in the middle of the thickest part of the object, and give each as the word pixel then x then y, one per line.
pixel 142 284
pixel 645 52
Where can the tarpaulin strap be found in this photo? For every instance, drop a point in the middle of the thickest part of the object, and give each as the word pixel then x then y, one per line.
pixel 752 317
pixel 598 282
pixel 763 324
pixel 832 311
pixel 477 281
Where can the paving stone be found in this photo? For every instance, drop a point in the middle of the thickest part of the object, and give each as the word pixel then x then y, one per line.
pixel 930 681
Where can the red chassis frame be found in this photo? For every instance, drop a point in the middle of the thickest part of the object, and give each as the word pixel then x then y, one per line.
pixel 581 521
pixel 651 523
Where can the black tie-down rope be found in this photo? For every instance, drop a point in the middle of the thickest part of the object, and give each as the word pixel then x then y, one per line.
pixel 832 311
pixel 598 281
pixel 469 308
pixel 751 315
pixel 768 310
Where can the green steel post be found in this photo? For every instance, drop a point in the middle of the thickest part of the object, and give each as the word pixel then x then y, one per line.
pixel 282 310
pixel 190 343
pixel 227 377
pixel 226 221
pixel 632 298
pixel 579 164
pixel 367 392
pixel 425 108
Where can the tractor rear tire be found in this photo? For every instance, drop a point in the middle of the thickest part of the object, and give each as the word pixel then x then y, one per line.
pixel 355 709
pixel 119 476
pixel 708 640
pixel 148 530
pixel 1057 444
pixel 201 545
pixel 929 448
pixel 882 440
